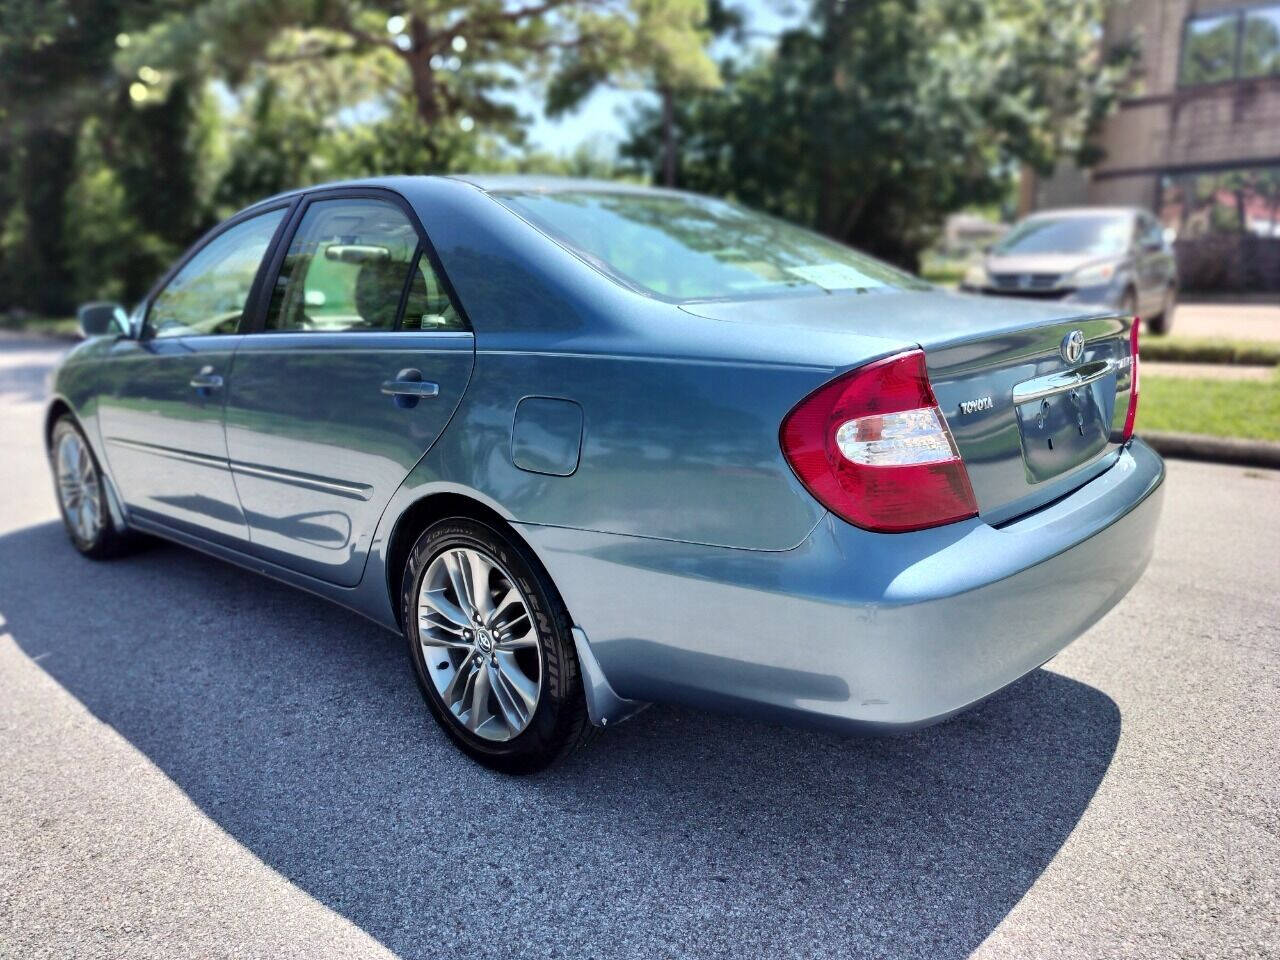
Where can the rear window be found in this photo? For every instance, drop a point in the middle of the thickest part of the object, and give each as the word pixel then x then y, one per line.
pixel 682 247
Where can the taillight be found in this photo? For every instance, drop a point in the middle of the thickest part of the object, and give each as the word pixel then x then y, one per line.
pixel 1132 415
pixel 872 447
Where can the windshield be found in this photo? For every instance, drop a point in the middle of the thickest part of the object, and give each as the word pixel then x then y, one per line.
pixel 1098 236
pixel 684 247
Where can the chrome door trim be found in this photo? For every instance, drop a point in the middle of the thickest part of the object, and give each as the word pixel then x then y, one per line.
pixel 186 456
pixel 1047 386
pixel 355 491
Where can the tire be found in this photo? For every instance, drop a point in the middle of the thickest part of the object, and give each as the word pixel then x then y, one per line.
pixel 1129 302
pixel 479 661
pixel 82 494
pixel 1162 322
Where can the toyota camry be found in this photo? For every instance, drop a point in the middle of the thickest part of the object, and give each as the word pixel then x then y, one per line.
pixel 589 446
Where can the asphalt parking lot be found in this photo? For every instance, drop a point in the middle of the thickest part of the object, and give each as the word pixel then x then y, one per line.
pixel 195 761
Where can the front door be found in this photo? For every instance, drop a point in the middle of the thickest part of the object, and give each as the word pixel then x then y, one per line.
pixel 361 363
pixel 162 418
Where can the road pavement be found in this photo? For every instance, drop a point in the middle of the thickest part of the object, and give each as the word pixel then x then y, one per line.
pixel 195 761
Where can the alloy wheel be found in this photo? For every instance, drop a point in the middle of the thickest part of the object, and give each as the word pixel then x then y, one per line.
pixel 479 643
pixel 79 488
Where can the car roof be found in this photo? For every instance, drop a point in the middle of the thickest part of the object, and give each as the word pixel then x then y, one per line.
pixel 538 183
pixel 484 182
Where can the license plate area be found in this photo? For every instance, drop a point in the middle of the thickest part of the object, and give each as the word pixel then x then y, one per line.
pixel 1064 428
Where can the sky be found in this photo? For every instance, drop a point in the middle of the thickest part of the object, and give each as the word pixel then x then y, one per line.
pixel 602 118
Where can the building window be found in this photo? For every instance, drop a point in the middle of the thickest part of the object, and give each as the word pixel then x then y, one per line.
pixel 1260 45
pixel 1244 200
pixel 1230 46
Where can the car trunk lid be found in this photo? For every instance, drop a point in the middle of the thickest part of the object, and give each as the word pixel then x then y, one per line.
pixel 1032 417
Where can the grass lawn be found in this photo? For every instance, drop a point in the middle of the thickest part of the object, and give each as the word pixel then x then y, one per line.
pixel 1220 408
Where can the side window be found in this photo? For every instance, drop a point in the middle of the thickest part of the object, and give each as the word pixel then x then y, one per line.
pixel 428 306
pixel 346 268
pixel 208 295
pixel 1152 232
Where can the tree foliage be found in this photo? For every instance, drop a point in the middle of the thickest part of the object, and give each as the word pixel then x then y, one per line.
pixel 878 117
pixel 127 127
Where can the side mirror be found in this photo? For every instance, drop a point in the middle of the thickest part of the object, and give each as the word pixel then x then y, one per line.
pixel 102 318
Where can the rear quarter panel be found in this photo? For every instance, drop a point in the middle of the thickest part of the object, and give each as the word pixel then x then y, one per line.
pixel 680 413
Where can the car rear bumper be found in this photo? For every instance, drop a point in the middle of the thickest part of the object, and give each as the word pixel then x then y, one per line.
pixel 852 629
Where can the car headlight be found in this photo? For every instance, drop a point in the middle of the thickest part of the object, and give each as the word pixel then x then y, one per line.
pixel 1093 276
pixel 975 276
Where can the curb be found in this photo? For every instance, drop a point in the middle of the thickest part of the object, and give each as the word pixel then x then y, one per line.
pixel 1191 446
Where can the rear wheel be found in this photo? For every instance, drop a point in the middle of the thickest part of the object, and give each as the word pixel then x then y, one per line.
pixel 82 494
pixel 492 647
pixel 1162 322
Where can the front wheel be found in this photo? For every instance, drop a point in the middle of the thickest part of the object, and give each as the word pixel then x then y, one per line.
pixel 82 494
pixel 1162 322
pixel 1129 302
pixel 492 647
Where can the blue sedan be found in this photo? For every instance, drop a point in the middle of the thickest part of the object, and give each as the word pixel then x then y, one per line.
pixel 590 446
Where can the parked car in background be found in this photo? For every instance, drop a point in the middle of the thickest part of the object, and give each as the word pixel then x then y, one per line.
pixel 588 446
pixel 1117 256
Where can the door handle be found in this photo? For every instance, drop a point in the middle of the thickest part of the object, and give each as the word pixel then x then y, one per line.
pixel 206 380
pixel 408 388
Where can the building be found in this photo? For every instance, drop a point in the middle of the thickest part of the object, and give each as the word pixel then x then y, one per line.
pixel 1198 138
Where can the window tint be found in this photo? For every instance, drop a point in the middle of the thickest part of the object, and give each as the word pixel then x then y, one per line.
pixel 684 247
pixel 1209 49
pixel 208 295
pixel 428 307
pixel 345 269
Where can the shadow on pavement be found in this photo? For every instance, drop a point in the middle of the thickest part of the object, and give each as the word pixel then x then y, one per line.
pixel 298 729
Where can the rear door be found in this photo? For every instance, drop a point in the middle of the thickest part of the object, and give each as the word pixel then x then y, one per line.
pixel 162 418
pixel 362 358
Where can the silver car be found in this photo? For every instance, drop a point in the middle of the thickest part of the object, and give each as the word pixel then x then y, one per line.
pixel 1116 256
pixel 589 446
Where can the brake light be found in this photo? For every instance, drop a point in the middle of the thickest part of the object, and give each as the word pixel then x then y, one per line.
pixel 873 447
pixel 1132 415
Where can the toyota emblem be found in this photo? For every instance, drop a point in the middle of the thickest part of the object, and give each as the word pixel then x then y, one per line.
pixel 1073 347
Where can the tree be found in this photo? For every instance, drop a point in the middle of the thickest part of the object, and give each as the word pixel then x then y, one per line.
pixel 878 117
pixel 57 81
pixel 48 66
pixel 450 62
pixel 664 50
